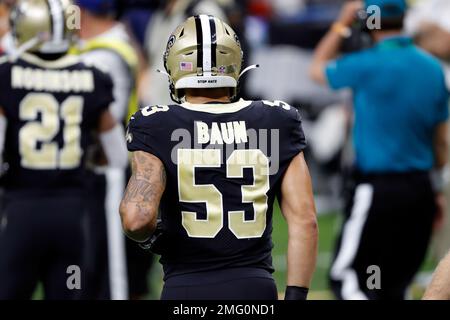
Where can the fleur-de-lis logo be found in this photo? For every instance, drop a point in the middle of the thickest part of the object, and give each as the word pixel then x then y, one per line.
pixel 129 136
pixel 169 45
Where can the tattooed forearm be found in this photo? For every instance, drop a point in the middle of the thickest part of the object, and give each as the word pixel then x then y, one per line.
pixel 163 177
pixel 148 179
pixel 139 190
pixel 141 200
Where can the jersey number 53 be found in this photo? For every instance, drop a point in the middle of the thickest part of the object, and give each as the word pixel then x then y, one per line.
pixel 256 193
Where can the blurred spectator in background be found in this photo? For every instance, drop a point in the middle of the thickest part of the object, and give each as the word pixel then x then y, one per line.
pixel 135 14
pixel 261 8
pixel 6 39
pixel 4 25
pixel 429 23
pixel 165 19
pixel 106 43
pixel 400 135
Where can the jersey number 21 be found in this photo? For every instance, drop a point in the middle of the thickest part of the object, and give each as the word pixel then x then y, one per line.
pixel 37 147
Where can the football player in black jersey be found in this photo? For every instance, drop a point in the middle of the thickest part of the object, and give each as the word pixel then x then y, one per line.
pixel 50 103
pixel 214 165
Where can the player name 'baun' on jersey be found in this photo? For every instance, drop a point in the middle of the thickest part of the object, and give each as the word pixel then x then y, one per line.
pixel 220 133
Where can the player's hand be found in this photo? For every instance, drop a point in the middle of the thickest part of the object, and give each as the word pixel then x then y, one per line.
pixel 349 12
pixel 441 208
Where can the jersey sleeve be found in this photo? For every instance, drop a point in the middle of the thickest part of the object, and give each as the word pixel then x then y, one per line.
pixel 100 99
pixel 292 137
pixel 142 134
pixel 104 90
pixel 4 74
pixel 296 134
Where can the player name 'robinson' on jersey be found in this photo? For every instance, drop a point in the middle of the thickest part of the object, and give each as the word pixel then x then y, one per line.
pixel 52 80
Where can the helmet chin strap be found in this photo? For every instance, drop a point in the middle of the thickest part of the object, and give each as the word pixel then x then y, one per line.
pixel 163 72
pixel 26 46
pixel 253 66
pixel 171 87
pixel 235 97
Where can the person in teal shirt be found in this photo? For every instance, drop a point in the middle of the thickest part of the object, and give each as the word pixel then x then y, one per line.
pixel 399 136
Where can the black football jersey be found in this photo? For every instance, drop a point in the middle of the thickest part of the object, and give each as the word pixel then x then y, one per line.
pixel 51 107
pixel 224 165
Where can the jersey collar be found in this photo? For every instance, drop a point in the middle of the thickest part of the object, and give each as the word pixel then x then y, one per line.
pixel 63 62
pixel 217 108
